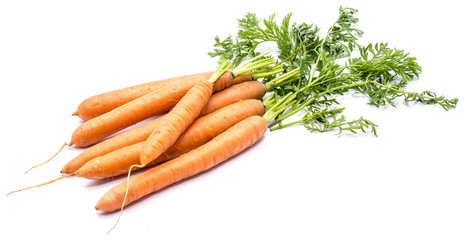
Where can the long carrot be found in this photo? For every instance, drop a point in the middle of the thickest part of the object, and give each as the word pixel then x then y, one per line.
pixel 200 132
pixel 227 144
pixel 97 105
pixel 176 122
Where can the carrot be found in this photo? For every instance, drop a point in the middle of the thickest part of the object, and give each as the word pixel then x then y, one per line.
pixel 227 144
pixel 241 91
pixel 242 79
pixel 176 122
pixel 97 105
pixel 96 129
pixel 235 93
pixel 124 139
pixel 200 132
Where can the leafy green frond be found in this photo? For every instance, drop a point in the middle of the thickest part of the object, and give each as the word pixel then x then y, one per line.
pixel 326 69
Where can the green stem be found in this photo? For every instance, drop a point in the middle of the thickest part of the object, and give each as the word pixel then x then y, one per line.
pixel 283 79
pixel 270 114
pixel 245 67
pixel 219 71
pixel 268 71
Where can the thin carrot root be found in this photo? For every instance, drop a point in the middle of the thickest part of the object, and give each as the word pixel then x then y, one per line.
pixel 42 184
pixel 125 196
pixel 61 148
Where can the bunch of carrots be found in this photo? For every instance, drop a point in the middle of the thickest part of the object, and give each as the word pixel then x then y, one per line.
pixel 203 119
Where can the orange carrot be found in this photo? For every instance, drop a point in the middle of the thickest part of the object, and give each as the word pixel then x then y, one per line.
pixel 124 139
pixel 176 122
pixel 234 93
pixel 242 79
pixel 242 91
pixel 97 105
pixel 96 129
pixel 200 132
pixel 222 147
pixel 102 103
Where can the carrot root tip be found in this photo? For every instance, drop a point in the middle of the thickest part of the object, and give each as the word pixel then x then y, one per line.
pixel 42 184
pixel 61 148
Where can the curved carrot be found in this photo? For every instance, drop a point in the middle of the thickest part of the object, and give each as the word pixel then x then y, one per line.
pixel 176 122
pixel 235 93
pixel 227 144
pixel 96 129
pixel 200 132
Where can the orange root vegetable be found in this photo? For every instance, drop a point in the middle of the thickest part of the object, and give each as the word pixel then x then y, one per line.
pixel 151 104
pixel 176 122
pixel 242 79
pixel 124 139
pixel 102 103
pixel 97 105
pixel 235 93
pixel 227 144
pixel 200 132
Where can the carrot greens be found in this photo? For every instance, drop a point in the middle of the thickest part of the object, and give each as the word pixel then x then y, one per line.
pixel 318 69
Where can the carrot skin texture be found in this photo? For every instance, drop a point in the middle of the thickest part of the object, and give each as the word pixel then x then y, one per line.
pixel 176 122
pixel 229 143
pixel 242 79
pixel 130 137
pixel 200 132
pixel 232 94
pixel 97 105
pixel 154 103
pixel 111 164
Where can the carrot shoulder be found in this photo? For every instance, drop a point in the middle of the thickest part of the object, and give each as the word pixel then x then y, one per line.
pixel 200 132
pixel 222 147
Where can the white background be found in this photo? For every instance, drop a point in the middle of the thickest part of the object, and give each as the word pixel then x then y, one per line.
pixel 407 183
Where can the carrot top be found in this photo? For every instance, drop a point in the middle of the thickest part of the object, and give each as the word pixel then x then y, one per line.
pixel 258 67
pixel 219 71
